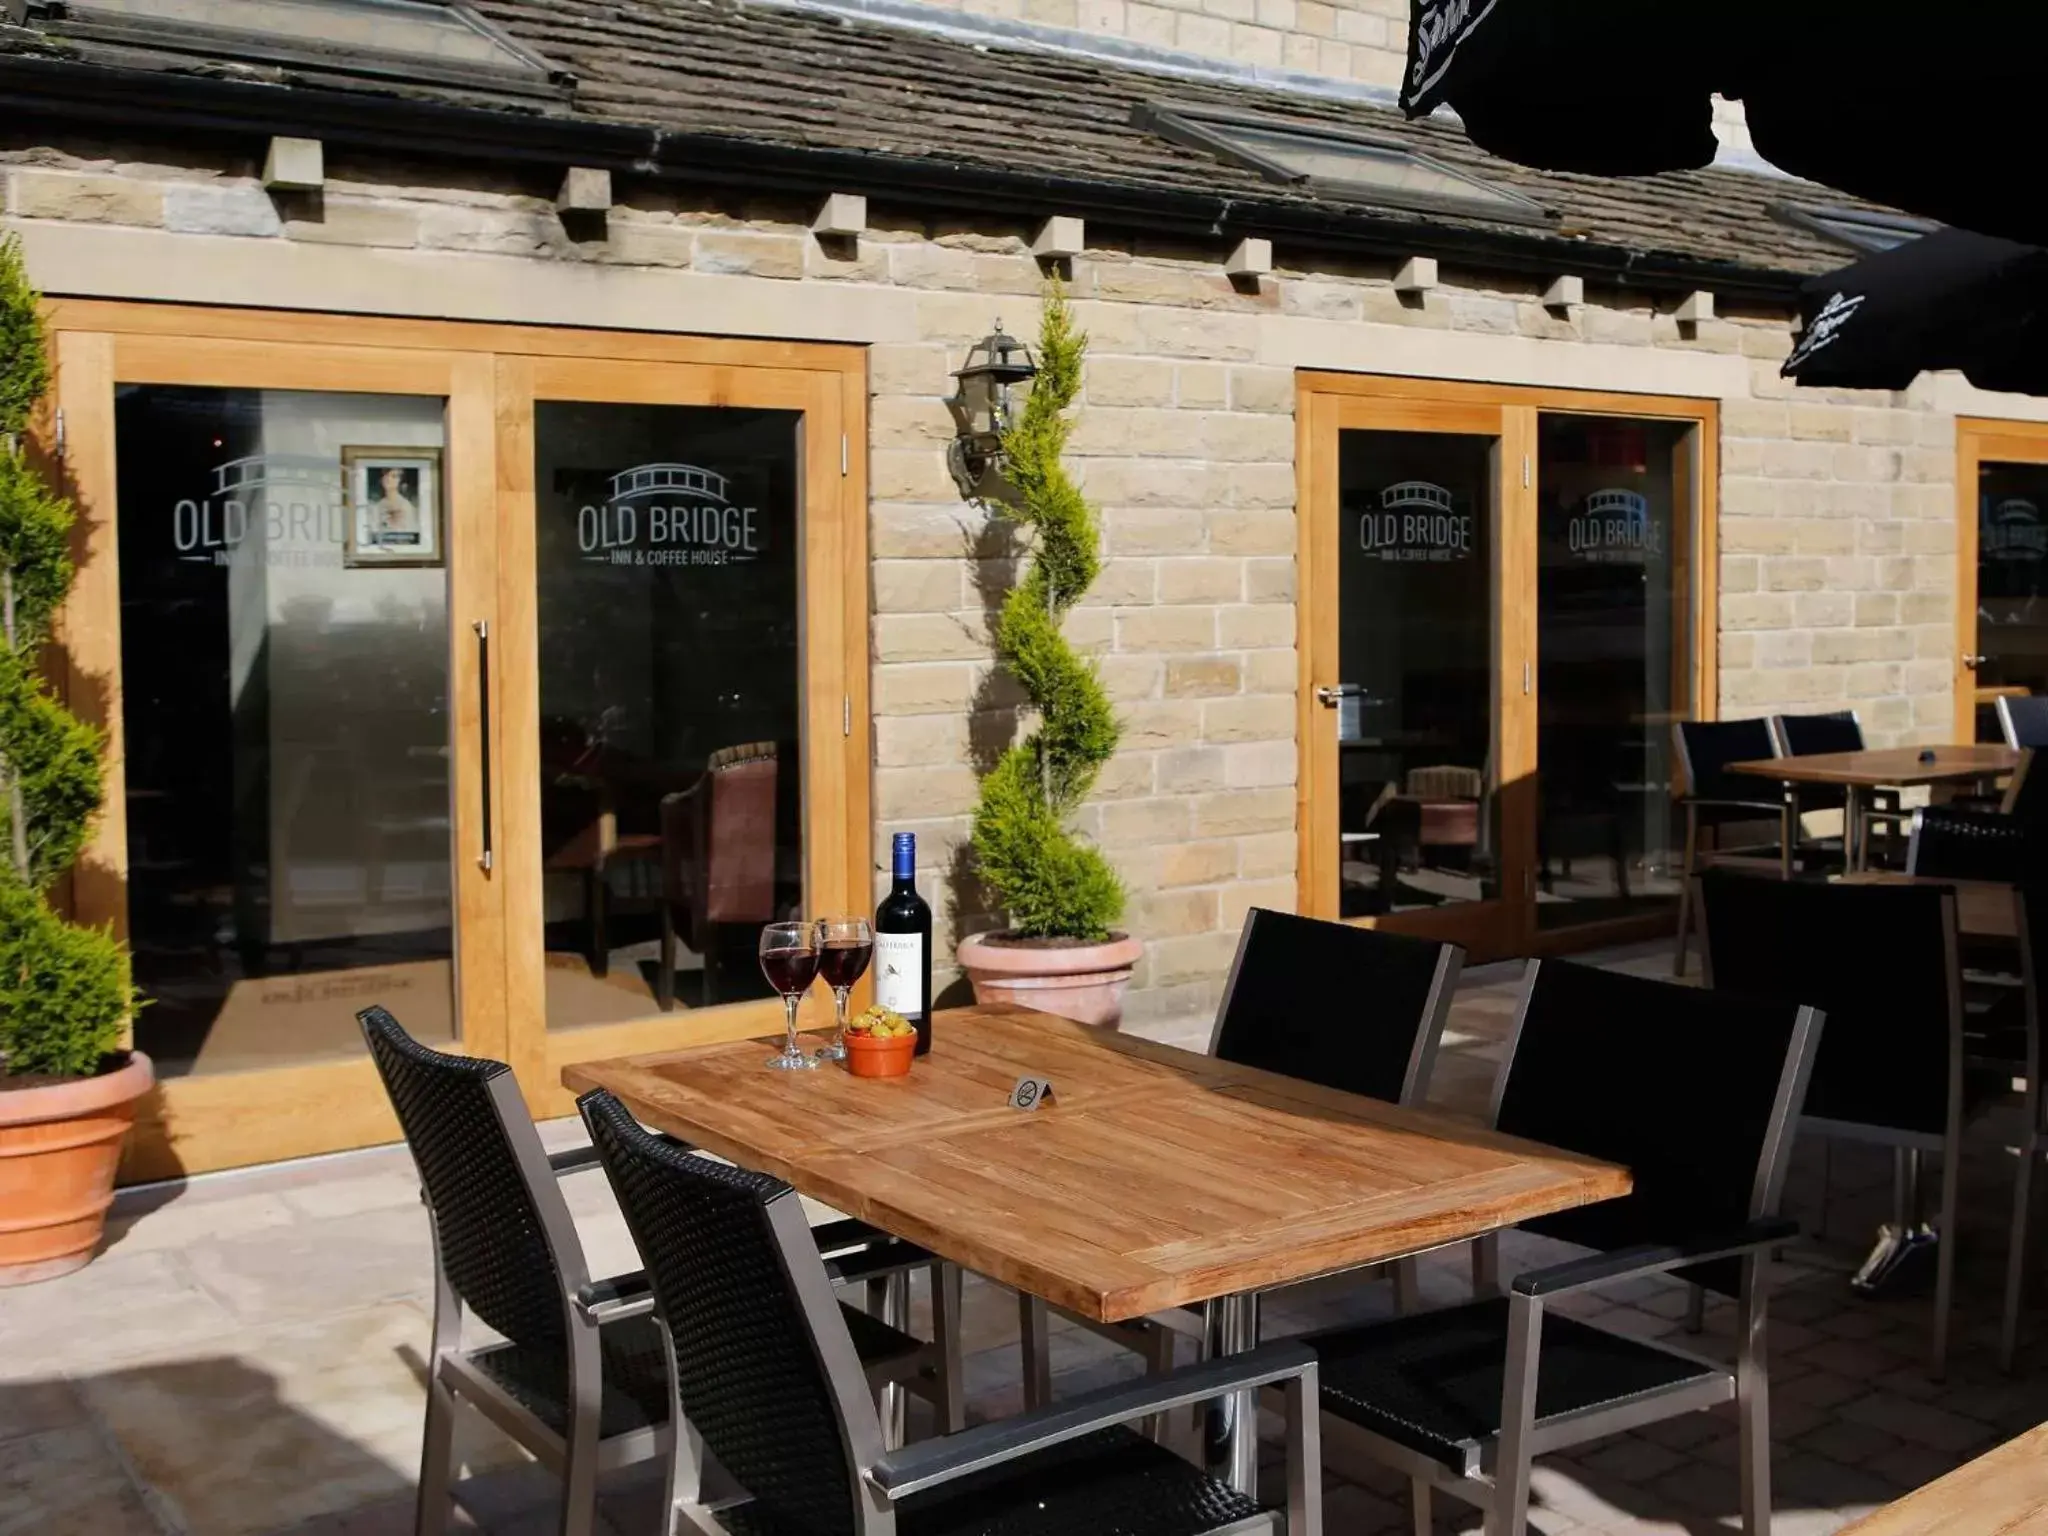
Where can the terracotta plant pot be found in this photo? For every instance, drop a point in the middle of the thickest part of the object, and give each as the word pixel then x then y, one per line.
pixel 1083 982
pixel 867 1056
pixel 59 1147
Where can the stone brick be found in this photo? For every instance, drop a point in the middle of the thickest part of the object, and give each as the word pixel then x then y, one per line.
pixel 1251 533
pixel 924 689
pixel 643 244
pixel 1202 386
pixel 1251 717
pixel 1125 583
pixel 1272 672
pixel 1203 677
pixel 1155 531
pixel 85 199
pixel 1240 811
pixel 901 792
pixel 1191 958
pixel 1260 764
pixel 1253 627
pixel 1201 579
pixel 1168 914
pixel 1238 899
pixel 1190 770
pixel 1161 723
pixel 1262 389
pixel 1142 823
pixel 1269 581
pixel 909 741
pixel 1129 381
pixel 355 221
pixel 1267 854
pixel 219 208
pixel 913 369
pixel 1166 629
pixel 917 586
pixel 903 637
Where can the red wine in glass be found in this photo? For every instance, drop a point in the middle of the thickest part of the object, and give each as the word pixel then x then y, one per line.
pixel 791 971
pixel 845 961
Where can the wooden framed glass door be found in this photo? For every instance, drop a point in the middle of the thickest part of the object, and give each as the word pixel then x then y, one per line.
pixel 2001 569
pixel 1417 696
pixel 684 713
pixel 371 611
pixel 1502 618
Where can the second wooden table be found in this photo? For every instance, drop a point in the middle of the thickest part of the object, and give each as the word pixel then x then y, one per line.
pixel 1881 768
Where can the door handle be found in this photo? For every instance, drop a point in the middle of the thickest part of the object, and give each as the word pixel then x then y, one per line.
pixel 483 683
pixel 1974 662
pixel 1330 697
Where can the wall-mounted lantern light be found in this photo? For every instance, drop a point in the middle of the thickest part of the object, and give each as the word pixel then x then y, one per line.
pixel 981 405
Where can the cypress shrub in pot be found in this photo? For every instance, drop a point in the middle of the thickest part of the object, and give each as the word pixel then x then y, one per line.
pixel 1062 952
pixel 68 1090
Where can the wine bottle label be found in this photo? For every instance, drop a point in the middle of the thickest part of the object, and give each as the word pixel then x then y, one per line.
pixel 899 972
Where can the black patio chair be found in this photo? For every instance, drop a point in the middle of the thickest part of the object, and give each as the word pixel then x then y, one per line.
pixel 1812 736
pixel 1883 963
pixel 1716 799
pixel 1463 1399
pixel 579 1378
pixel 2023 720
pixel 2030 906
pixel 769 1382
pixel 1355 1009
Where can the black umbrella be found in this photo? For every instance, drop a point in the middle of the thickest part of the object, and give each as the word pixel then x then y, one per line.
pixel 1937 114
pixel 1951 299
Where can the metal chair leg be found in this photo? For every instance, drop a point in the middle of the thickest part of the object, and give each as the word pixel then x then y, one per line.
pixel 892 1402
pixel 1753 1402
pixel 1419 1507
pixel 1486 1266
pixel 430 1517
pixel 586 1407
pixel 946 1303
pixel 1695 1309
pixel 1032 1328
pixel 1945 1256
pixel 1509 1515
pixel 1158 1354
pixel 1692 848
pixel 2018 1245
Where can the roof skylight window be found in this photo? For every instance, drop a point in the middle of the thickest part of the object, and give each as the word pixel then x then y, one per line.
pixel 1860 229
pixel 1334 163
pixel 408 40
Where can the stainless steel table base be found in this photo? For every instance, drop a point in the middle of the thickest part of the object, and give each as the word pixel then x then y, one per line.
pixel 1230 1430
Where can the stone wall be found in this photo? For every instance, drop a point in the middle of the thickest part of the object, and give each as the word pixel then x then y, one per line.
pixel 1837 535
pixel 1363 41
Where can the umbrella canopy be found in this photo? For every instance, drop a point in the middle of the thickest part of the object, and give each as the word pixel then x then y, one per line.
pixel 1930 116
pixel 1951 299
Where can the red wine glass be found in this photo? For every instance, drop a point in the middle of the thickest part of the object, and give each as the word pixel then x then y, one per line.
pixel 789 959
pixel 845 945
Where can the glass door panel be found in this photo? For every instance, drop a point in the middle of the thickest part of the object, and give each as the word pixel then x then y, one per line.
pixel 1418 825
pixel 668 558
pixel 1615 664
pixel 2011 651
pixel 284 657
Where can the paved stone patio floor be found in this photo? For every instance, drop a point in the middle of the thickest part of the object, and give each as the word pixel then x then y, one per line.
pixel 245 1359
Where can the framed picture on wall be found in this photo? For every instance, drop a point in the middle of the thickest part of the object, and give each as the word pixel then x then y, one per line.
pixel 394 506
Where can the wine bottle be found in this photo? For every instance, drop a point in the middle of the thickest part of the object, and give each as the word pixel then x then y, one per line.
pixel 903 945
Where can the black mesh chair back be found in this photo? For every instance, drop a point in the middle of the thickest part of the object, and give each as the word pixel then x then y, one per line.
pixel 1879 960
pixel 2024 720
pixel 1691 1090
pixel 748 1367
pixel 1707 747
pixel 2026 798
pixel 1811 735
pixel 492 1240
pixel 1349 1008
pixel 1953 843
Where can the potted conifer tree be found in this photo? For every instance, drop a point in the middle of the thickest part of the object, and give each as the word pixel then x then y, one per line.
pixel 68 1091
pixel 1061 953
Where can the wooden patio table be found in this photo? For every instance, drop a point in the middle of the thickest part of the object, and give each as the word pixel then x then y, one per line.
pixel 2002 1493
pixel 1154 1178
pixel 1881 768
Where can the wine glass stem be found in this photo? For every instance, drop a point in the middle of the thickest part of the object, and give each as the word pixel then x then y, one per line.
pixel 840 994
pixel 789 1002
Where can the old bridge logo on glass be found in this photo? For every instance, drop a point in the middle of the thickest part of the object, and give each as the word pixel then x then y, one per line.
pixel 291 502
pixel 1615 528
pixel 2012 533
pixel 1416 522
pixel 669 514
